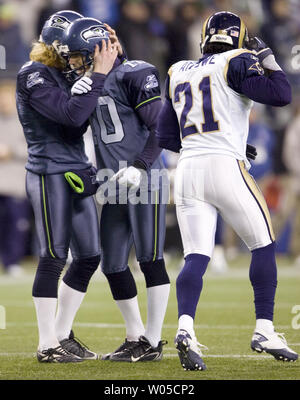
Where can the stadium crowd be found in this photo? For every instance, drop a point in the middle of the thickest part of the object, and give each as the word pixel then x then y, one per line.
pixel 160 32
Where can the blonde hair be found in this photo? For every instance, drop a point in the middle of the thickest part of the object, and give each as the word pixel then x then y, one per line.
pixel 46 55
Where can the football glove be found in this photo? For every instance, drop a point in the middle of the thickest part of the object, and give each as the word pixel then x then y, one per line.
pixel 264 54
pixel 128 176
pixel 251 152
pixel 82 86
pixel 259 46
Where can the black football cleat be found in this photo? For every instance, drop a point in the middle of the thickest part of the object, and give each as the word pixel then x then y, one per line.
pixel 122 353
pixel 143 351
pixel 139 351
pixel 77 348
pixel 56 355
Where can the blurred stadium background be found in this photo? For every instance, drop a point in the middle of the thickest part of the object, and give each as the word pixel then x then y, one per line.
pixel 160 32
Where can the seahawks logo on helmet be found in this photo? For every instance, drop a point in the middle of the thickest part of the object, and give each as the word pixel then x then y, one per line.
pixel 94 32
pixel 60 22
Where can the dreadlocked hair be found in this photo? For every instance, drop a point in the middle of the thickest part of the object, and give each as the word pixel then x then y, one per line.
pixel 213 48
pixel 46 55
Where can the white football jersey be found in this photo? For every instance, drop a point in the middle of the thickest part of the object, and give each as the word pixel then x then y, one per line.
pixel 213 118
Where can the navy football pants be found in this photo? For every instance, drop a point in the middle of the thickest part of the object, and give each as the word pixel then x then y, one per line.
pixel 123 225
pixel 62 220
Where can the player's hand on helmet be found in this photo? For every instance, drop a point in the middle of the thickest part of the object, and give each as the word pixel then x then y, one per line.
pixel 259 46
pixel 83 85
pixel 251 152
pixel 104 59
pixel 114 39
pixel 264 53
pixel 128 176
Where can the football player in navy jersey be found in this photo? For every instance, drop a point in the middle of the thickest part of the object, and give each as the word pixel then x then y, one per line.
pixel 123 125
pixel 205 116
pixel 59 185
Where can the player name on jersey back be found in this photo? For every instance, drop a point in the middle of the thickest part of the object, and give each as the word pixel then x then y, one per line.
pixel 213 118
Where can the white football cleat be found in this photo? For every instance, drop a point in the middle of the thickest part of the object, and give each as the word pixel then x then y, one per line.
pixel 274 344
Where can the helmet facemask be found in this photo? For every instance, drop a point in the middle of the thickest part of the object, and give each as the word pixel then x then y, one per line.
pixel 81 65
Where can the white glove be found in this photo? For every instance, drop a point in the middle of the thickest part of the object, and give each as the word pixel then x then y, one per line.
pixel 128 176
pixel 82 86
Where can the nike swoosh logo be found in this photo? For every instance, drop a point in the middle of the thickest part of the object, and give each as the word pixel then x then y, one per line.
pixel 135 359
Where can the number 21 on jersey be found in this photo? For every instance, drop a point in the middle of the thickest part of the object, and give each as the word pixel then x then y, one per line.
pixel 209 124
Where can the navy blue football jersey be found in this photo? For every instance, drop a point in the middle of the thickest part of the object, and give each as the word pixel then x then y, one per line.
pixel 118 131
pixel 53 147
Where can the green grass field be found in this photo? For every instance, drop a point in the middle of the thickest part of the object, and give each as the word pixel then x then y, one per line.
pixel 224 323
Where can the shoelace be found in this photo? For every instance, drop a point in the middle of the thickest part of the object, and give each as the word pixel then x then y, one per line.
pixel 79 344
pixel 143 346
pixel 195 342
pixel 199 345
pixel 127 345
pixel 57 349
pixel 282 337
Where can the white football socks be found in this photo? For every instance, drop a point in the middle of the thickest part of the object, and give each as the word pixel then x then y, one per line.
pixel 133 321
pixel 157 300
pixel 186 322
pixel 264 325
pixel 45 308
pixel 69 301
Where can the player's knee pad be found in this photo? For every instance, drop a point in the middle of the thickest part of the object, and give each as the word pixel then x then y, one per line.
pixel 122 285
pixel 155 273
pixel 80 272
pixel 47 277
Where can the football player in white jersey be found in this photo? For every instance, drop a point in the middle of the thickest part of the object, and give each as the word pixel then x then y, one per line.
pixel 205 117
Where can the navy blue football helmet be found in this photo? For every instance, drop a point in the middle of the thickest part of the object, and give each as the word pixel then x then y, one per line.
pixel 56 24
pixel 80 38
pixel 226 28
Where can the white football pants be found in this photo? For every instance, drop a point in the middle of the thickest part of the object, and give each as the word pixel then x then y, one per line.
pixel 208 184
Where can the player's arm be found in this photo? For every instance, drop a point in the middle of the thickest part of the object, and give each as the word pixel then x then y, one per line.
pixel 148 115
pixel 56 104
pixel 168 131
pixel 143 91
pixel 245 75
pixel 131 176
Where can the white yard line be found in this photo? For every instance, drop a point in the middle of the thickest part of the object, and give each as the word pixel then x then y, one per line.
pixel 96 304
pixel 99 325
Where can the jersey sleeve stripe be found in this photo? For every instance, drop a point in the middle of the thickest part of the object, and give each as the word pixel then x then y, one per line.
pixel 147 101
